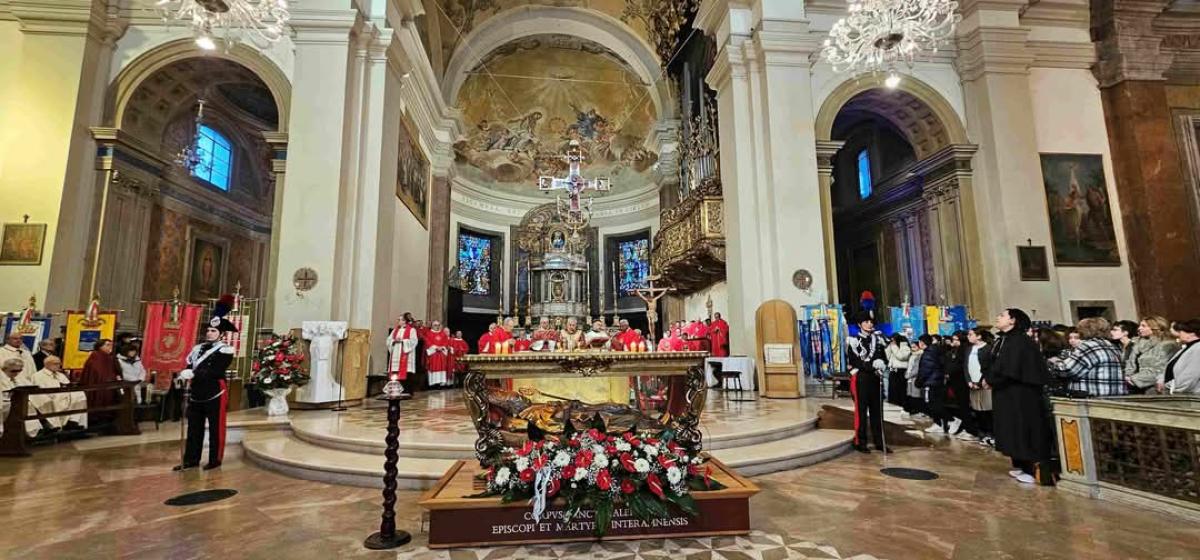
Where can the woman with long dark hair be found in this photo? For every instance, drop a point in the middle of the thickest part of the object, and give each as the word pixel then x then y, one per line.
pixel 1018 376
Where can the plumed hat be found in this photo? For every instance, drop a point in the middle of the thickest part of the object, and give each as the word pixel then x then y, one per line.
pixel 220 309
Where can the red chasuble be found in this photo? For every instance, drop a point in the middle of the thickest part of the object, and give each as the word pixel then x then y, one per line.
pixel 461 348
pixel 697 333
pixel 718 335
pixel 485 344
pixel 522 345
pixel 437 351
pixel 627 338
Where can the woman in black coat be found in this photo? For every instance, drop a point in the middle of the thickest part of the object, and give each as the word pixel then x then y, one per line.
pixel 1018 376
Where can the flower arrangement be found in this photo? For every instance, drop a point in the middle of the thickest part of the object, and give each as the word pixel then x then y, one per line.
pixel 278 364
pixel 596 470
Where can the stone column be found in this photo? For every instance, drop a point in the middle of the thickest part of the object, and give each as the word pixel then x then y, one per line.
pixel 768 156
pixel 1147 164
pixel 439 249
pixel 994 63
pixel 826 150
pixel 313 206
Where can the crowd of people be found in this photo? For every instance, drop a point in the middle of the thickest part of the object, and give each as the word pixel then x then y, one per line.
pixel 432 353
pixel 993 388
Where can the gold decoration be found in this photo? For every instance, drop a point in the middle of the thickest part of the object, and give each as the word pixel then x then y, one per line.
pixel 663 20
pixel 1071 446
pixel 586 366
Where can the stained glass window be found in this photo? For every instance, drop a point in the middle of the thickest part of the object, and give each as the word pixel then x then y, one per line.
pixel 864 174
pixel 216 158
pixel 475 264
pixel 633 265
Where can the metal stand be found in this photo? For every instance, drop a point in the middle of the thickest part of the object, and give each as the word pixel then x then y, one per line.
pixel 387 536
pixel 187 393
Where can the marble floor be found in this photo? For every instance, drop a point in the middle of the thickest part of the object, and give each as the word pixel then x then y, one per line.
pixel 107 502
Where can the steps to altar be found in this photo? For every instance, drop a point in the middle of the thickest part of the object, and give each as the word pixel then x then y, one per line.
pixel 754 438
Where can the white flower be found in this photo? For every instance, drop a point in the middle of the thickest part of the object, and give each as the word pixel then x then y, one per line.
pixel 598 449
pixel 641 465
pixel 600 461
pixel 562 459
pixel 623 445
pixel 580 474
pixel 697 460
pixel 650 450
pixel 522 463
pixel 502 476
pixel 674 475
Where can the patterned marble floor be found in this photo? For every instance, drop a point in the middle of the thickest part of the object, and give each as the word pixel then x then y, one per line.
pixel 64 504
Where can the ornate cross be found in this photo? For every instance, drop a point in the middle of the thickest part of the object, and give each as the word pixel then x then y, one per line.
pixel 574 184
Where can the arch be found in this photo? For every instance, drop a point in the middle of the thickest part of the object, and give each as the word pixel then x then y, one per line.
pixel 145 65
pixel 520 22
pixel 955 132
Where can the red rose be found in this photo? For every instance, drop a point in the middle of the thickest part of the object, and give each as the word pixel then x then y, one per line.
pixel 627 486
pixel 594 434
pixel 568 472
pixel 527 475
pixel 584 458
pixel 655 485
pixel 603 479
pixel 626 461
pixel 635 442
pixel 610 450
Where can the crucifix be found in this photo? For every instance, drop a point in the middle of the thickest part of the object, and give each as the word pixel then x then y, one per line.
pixel 571 210
pixel 651 295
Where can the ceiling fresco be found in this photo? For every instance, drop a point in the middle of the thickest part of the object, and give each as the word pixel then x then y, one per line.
pixel 458 18
pixel 527 100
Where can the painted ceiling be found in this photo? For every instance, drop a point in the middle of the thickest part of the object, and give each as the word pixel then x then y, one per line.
pixel 525 102
pixel 457 18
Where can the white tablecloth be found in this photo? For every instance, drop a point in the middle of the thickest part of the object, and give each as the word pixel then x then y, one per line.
pixel 742 364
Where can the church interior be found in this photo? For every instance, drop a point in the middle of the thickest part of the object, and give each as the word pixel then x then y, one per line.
pixel 761 279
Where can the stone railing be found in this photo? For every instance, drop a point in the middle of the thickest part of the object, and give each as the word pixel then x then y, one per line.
pixel 689 248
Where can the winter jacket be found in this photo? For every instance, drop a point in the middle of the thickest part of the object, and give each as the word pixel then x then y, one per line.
pixel 932 371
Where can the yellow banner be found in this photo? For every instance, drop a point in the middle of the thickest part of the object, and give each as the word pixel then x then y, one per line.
pixel 82 334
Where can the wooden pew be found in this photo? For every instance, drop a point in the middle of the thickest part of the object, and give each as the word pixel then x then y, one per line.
pixel 14 442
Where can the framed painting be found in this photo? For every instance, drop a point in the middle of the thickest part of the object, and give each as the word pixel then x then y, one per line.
pixel 22 244
pixel 205 266
pixel 1033 263
pixel 1081 224
pixel 413 174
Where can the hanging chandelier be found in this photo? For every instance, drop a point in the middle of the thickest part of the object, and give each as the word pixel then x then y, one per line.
pixel 261 22
pixel 877 34
pixel 191 156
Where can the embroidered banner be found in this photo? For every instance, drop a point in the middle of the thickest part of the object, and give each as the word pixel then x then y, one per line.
pixel 32 333
pixel 170 333
pixel 82 334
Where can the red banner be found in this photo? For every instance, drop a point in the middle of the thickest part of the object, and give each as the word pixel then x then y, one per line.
pixel 170 333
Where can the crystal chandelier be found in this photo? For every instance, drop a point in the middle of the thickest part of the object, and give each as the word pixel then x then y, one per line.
pixel 191 156
pixel 877 34
pixel 262 22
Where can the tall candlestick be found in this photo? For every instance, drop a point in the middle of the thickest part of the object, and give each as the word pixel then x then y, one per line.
pixel 587 286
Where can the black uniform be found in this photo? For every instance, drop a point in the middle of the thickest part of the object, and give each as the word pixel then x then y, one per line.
pixel 207 402
pixel 1018 376
pixel 863 351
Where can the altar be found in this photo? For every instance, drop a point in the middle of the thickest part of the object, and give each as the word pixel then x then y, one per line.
pixel 474 503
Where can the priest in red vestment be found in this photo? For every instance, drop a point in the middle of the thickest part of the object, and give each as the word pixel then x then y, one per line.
pixel 544 339
pixel 626 338
pixel 718 336
pixel 437 352
pixel 485 341
pixel 461 348
pixel 502 334
pixel 522 343
pixel 403 345
pixel 696 335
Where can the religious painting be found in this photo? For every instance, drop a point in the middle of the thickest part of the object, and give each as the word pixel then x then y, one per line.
pixel 412 174
pixel 22 244
pixel 1033 265
pixel 204 276
pixel 527 101
pixel 1081 224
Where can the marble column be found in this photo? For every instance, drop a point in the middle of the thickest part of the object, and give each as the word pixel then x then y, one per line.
pixel 774 225
pixel 1147 162
pixel 826 150
pixel 439 249
pixel 323 384
pixel 994 61
pixel 313 205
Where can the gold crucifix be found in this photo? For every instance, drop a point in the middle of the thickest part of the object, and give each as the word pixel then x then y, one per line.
pixel 651 295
